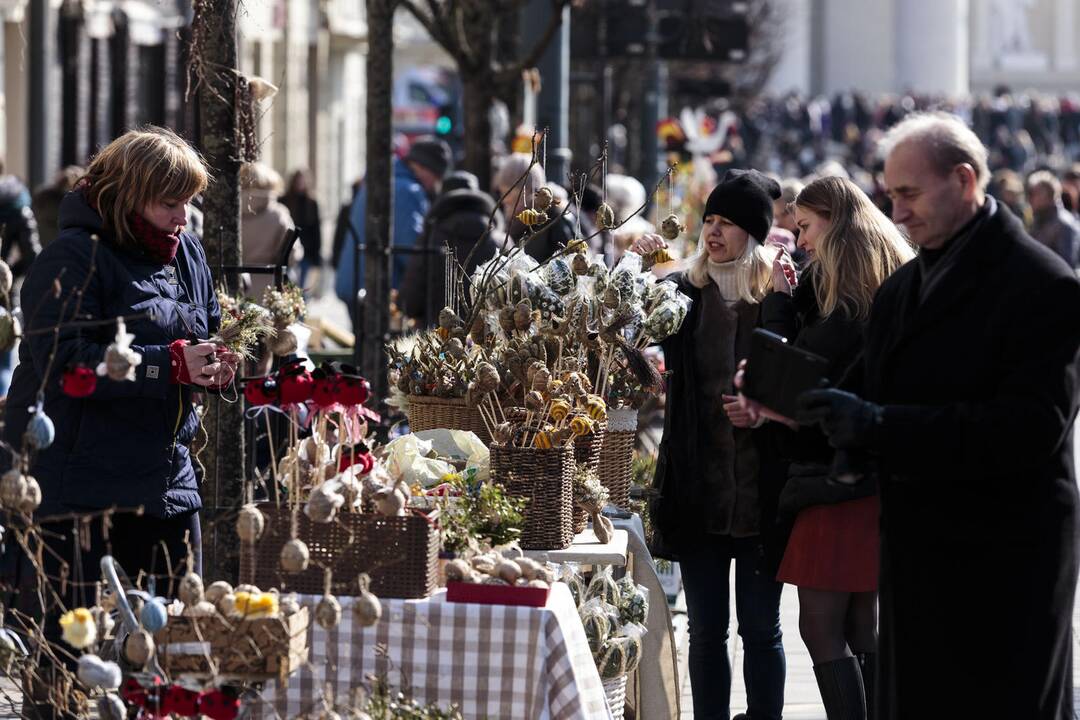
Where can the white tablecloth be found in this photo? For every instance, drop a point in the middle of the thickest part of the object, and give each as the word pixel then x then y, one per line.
pixel 493 661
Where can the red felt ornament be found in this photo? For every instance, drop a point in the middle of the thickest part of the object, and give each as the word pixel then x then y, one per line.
pixel 78 381
pixel 325 391
pixel 261 391
pixel 295 384
pixel 219 706
pixel 353 390
pixel 363 459
pixel 133 693
pixel 180 701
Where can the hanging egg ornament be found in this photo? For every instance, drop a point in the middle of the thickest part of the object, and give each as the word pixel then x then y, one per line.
pixel 110 707
pixel 7 279
pixel 9 330
pixel 138 647
pixel 530 217
pixel 250 523
pixel 544 199
pixel 295 556
pixel 367 609
pixel 534 401
pixel 78 381
pixel 605 217
pixel 671 228
pixel 328 612
pixel 120 360
pixel 40 431
pixel 191 591
pixel 217 590
pixel 97 673
pixel 31 499
pixel 153 615
pixel 283 342
pixel 506 319
pixel 523 315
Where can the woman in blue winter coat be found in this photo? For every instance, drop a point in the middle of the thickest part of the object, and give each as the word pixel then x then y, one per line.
pixel 121 252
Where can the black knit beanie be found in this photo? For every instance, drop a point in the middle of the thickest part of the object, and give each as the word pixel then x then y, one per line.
pixel 745 197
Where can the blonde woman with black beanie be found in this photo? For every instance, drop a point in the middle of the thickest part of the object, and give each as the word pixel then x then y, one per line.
pixel 709 509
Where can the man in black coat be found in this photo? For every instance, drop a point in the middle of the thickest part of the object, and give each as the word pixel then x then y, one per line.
pixel 967 395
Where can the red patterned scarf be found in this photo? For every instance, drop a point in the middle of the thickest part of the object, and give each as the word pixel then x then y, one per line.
pixel 159 245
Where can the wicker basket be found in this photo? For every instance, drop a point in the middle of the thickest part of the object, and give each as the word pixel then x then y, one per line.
pixel 432 413
pixel 400 554
pixel 246 649
pixel 545 477
pixel 587 447
pixel 615 692
pixel 617 455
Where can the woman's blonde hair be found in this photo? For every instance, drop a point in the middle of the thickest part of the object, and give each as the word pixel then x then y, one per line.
pixel 860 248
pixel 139 168
pixel 753 268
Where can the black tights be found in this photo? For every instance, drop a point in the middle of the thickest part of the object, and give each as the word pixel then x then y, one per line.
pixel 836 625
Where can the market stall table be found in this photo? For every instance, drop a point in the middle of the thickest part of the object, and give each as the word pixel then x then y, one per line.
pixel 587 550
pixel 494 661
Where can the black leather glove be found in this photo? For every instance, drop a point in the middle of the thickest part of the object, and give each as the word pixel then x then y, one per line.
pixel 848 420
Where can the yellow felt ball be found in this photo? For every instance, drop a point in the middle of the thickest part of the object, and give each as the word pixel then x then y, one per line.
pixel 78 628
pixel 256 605
pixel 559 410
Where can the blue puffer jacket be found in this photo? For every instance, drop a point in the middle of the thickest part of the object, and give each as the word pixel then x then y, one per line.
pixel 126 444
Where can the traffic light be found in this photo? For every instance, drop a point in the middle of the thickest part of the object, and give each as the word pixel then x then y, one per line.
pixel 444 123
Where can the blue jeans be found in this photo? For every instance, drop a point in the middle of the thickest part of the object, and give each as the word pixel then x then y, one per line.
pixel 705 574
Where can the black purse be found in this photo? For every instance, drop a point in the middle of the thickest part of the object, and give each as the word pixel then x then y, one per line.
pixel 810 484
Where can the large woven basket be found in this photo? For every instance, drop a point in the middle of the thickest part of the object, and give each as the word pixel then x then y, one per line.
pixel 544 477
pixel 615 692
pixel 617 455
pixel 432 413
pixel 400 554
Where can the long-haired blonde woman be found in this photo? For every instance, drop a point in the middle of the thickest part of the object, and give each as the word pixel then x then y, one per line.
pixel 121 252
pixel 709 510
pixel 832 553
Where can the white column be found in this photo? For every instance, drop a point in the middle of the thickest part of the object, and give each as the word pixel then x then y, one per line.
pixel 1066 34
pixel 932 46
pixel 858 44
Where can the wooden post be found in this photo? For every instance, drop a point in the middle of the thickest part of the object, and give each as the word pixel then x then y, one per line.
pixel 224 422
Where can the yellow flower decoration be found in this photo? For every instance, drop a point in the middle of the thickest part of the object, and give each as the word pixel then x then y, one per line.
pixel 78 628
pixel 252 606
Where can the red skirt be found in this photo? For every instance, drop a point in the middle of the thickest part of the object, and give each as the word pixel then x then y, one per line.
pixel 834 547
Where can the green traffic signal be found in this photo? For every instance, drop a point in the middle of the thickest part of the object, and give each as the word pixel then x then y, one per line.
pixel 444 125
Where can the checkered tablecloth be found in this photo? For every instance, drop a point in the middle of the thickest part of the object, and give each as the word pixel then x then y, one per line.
pixel 493 661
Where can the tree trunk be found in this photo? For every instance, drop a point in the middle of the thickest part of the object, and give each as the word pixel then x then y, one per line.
pixel 378 225
pixel 478 96
pixel 222 488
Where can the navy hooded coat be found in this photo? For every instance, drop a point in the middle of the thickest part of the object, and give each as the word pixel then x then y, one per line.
pixel 127 443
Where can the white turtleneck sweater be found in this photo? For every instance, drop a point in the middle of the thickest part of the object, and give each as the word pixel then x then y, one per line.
pixel 725 275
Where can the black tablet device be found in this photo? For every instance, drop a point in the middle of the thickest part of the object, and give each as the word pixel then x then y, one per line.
pixel 777 372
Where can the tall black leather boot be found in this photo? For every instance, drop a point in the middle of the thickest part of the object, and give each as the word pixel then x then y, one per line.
pixel 841 685
pixel 868 665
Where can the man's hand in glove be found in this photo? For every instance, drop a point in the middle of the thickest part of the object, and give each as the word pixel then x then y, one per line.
pixel 848 420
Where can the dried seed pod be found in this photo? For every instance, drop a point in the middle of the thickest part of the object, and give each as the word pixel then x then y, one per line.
pixel 530 217
pixel 454 348
pixel 537 583
pixel 227 604
pixel 506 319
pixel 484 563
pixel 603 528
pixel 544 198
pixel 542 440
pixel 534 401
pixel 367 609
pixel 671 228
pixel 457 570
pixel 580 265
pixel 200 609
pixel 448 319
pixel 491 580
pixel 328 612
pixel 502 433
pixel 217 590
pixel 523 315
pixel 138 647
pixel 661 256
pixel 110 707
pixel 612 297
pixel 250 523
pixel 324 502
pixel 295 556
pixel 559 410
pixel 103 620
pixel 605 217
pixel 508 570
pixel 191 591
pixel 289 605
